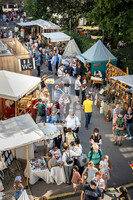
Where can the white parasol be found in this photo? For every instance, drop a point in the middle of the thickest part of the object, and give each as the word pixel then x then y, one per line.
pixel 50 131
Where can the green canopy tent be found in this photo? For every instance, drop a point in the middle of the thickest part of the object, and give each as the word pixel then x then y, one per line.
pixel 98 56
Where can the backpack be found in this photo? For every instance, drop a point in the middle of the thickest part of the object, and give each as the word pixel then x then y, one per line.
pixel 42 112
pixel 99 151
pixel 82 160
pixel 120 122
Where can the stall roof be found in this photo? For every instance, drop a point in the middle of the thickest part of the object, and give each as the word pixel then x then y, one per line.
pixel 4 51
pixel 127 79
pixel 18 131
pixel 42 23
pixel 57 36
pixel 98 53
pixel 13 85
pixel 72 49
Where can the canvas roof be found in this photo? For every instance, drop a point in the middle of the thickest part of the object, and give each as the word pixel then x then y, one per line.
pixel 98 53
pixel 14 86
pixel 42 23
pixel 72 49
pixel 127 79
pixel 57 36
pixel 18 131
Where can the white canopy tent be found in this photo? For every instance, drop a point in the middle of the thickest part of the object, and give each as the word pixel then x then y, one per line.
pixel 42 23
pixel 72 49
pixel 57 36
pixel 14 86
pixel 19 131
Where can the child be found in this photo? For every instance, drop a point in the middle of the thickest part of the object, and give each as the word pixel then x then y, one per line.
pixel 76 179
pixel 105 166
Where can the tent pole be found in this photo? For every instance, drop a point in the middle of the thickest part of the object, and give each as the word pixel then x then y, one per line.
pixel 27 165
pixel 15 108
pixel 44 147
pixel 15 153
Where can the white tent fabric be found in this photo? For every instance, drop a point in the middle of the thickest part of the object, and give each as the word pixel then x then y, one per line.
pixel 13 85
pixel 24 196
pixel 72 49
pixel 98 53
pixel 57 36
pixel 18 131
pixel 50 131
pixel 127 79
pixel 42 23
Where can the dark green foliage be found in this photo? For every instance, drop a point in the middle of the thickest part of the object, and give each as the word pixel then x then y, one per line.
pixel 125 58
pixel 115 17
pixel 82 42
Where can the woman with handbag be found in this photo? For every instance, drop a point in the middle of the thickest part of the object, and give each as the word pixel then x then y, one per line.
pixel 68 161
pixel 89 173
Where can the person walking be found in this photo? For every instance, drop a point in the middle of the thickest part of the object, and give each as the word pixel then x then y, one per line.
pixel 77 88
pixel 91 191
pixel 105 166
pixel 87 109
pixel 129 118
pixel 89 173
pixel 18 186
pixel 120 124
pixel 68 161
pixel 95 155
pixel 83 89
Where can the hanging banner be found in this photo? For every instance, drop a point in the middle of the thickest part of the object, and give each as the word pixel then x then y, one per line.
pixel 26 64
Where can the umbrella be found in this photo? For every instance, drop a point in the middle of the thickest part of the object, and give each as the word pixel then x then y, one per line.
pixel 50 131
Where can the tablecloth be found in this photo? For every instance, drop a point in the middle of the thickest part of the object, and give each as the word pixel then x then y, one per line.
pixel 58 175
pixel 35 174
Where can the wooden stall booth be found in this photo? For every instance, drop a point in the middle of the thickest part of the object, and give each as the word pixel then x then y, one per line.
pixel 38 27
pixel 13 87
pixel 21 90
pixel 12 53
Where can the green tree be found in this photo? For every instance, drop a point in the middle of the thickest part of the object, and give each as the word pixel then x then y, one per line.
pixel 70 10
pixel 115 17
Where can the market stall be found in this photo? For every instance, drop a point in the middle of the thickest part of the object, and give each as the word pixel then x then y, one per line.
pixel 13 55
pixel 71 50
pixel 97 56
pixel 38 168
pixel 13 86
pixel 18 132
pixel 38 26
pixel 56 36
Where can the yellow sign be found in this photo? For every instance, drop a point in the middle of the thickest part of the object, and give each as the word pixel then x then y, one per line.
pixel 50 81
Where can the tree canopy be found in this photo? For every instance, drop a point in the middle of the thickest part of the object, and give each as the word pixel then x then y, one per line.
pixel 114 17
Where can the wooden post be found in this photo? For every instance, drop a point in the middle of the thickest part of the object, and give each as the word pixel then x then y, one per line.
pixel 127 70
pixel 27 165
pixel 15 153
pixel 44 147
pixel 15 108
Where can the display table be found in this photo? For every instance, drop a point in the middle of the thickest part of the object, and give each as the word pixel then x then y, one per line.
pixel 96 80
pixel 35 173
pixel 58 175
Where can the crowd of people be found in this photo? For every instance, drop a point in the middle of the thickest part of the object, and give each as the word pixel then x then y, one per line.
pixel 92 171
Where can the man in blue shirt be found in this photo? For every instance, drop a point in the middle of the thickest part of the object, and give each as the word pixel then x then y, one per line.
pixel 58 93
pixel 91 191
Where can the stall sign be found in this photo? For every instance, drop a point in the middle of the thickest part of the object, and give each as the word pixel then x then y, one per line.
pixel 26 64
pixel 50 81
pixel 97 64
